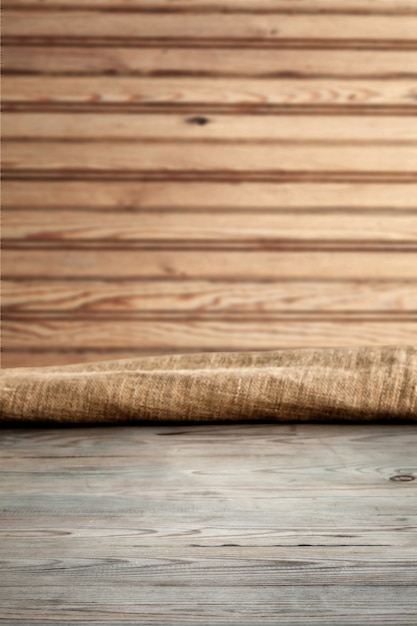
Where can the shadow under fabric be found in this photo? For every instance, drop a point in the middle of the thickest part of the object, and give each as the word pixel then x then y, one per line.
pixel 322 384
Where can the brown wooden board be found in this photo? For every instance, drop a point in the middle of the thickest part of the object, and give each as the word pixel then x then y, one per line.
pixel 207 174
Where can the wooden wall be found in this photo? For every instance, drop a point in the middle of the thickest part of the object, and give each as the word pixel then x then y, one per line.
pixel 186 175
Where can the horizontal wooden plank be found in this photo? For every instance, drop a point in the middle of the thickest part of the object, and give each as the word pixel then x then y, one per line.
pixel 240 128
pixel 204 297
pixel 131 480
pixel 98 24
pixel 249 565
pixel 395 605
pixel 119 445
pixel 367 6
pixel 126 475
pixel 197 91
pixel 206 226
pixel 52 357
pixel 315 540
pixel 118 449
pixel 214 264
pixel 178 334
pixel 201 157
pixel 44 358
pixel 124 195
pixel 209 62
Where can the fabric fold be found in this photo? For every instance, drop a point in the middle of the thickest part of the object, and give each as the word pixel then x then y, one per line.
pixel 323 384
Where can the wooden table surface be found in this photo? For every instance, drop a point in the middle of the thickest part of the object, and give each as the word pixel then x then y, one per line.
pixel 248 524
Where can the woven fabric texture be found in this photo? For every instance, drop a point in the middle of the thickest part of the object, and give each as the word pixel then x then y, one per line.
pixel 328 384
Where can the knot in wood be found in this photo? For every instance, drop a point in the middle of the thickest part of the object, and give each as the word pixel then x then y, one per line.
pixel 402 478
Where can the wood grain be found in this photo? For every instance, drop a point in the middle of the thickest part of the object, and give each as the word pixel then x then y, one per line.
pixel 15 357
pixel 234 523
pixel 212 128
pixel 240 167
pixel 229 334
pixel 84 24
pixel 213 196
pixel 169 157
pixel 217 61
pixel 135 605
pixel 44 357
pixel 304 524
pixel 46 226
pixel 205 297
pixel 214 264
pixel 100 90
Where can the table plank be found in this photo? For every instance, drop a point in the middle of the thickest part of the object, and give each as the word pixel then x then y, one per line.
pixel 228 524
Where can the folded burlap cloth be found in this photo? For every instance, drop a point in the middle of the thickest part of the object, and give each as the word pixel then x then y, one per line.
pixel 350 384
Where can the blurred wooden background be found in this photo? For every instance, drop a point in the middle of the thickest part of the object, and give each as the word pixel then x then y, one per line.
pixel 186 175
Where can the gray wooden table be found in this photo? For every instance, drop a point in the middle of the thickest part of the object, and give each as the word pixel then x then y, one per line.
pixel 255 524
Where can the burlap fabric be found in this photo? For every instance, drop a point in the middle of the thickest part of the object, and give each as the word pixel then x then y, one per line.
pixel 329 384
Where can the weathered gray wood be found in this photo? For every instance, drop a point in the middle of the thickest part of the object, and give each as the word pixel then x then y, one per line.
pixel 296 524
